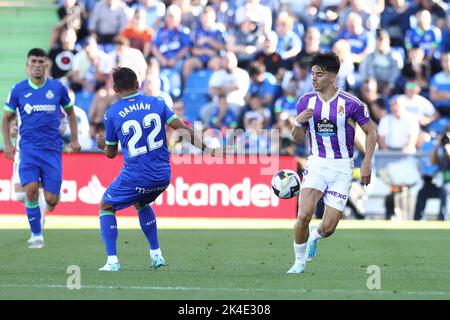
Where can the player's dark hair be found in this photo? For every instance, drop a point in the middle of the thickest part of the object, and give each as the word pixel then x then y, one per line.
pixel 124 79
pixel 328 61
pixel 37 52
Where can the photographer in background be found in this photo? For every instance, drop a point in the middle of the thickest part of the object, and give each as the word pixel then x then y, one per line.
pixel 440 157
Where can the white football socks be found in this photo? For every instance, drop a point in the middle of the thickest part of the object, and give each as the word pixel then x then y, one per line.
pixel 300 252
pixel 314 235
pixel 112 260
pixel 155 252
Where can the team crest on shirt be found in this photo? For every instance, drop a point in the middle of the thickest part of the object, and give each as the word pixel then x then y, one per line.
pixel 366 111
pixel 340 110
pixel 49 95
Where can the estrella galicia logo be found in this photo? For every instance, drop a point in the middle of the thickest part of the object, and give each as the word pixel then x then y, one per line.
pixel 325 128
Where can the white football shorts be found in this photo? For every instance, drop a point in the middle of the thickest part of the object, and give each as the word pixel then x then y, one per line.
pixel 332 177
pixel 16 176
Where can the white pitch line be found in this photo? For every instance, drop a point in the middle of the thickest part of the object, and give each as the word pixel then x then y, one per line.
pixel 155 288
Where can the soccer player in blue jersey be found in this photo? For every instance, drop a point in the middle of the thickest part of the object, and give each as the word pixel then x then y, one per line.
pixel 38 101
pixel 138 123
pixel 329 116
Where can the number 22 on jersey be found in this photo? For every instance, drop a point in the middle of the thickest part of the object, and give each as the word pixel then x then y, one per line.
pixel 137 134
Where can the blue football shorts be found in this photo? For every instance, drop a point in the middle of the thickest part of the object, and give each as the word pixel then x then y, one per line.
pixel 122 193
pixel 44 166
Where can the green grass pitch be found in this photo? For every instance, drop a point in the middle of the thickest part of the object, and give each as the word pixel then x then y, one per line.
pixel 228 264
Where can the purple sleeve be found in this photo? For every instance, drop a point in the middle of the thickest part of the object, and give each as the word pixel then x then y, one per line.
pixel 360 113
pixel 301 105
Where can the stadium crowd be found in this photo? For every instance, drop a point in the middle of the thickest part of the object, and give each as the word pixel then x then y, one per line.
pixel 243 64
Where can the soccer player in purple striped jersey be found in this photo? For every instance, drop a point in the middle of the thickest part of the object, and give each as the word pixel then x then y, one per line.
pixel 329 116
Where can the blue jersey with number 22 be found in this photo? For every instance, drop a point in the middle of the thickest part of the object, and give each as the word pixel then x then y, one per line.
pixel 138 122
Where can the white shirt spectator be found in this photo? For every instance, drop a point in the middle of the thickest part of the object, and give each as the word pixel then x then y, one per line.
pixel 130 58
pixel 397 131
pixel 84 137
pixel 418 105
pixel 222 78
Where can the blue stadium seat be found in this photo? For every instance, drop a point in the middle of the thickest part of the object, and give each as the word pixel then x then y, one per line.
pixel 197 82
pixel 193 102
pixel 83 99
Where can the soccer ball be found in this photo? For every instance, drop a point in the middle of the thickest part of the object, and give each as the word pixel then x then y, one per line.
pixel 286 184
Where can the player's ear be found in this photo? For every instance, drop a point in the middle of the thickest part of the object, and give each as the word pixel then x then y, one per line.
pixel 136 85
pixel 115 89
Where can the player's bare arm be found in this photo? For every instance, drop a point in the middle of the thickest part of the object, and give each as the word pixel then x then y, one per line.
pixel 371 142
pixel 9 149
pixel 195 140
pixel 109 150
pixel 298 132
pixel 71 117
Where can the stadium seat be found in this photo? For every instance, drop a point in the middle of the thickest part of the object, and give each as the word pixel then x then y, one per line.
pixel 193 102
pixel 197 82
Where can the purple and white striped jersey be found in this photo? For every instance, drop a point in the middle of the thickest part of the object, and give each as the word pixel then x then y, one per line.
pixel 332 127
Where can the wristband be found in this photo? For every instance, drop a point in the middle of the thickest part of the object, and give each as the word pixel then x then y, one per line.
pixel 298 124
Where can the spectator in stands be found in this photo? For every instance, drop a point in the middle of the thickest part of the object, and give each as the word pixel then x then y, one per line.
pixel 138 34
pixel 125 56
pixel 222 116
pixel 312 45
pixel 261 13
pixel 61 57
pixel 425 35
pixel 287 103
pixel 445 43
pixel 398 130
pixel 189 15
pixel 439 160
pixel 289 43
pixel 346 76
pixel 356 6
pixel 326 21
pixel 416 67
pixel 231 82
pixel 360 40
pixel 108 19
pixel 269 57
pixel 170 46
pixel 440 87
pixel 246 40
pixel 207 42
pixel 84 137
pixel 383 64
pixel 155 11
pixel 256 109
pixel 262 83
pixel 368 93
pixel 255 140
pixel 437 9
pixel 72 15
pixel 89 68
pixel 152 87
pixel 301 73
pixel 396 20
pixel 417 104
pixel 224 10
pixel 103 98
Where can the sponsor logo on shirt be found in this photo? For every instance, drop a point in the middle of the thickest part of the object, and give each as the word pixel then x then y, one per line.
pixel 39 108
pixel 325 128
pixel 28 95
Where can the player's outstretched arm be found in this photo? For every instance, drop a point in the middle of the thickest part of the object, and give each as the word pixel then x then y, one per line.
pixel 109 150
pixel 197 141
pixel 71 117
pixel 9 148
pixel 371 142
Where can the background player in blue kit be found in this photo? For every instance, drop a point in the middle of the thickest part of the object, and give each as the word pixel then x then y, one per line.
pixel 38 101
pixel 138 122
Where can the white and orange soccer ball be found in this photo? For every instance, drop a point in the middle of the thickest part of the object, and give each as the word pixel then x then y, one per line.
pixel 286 184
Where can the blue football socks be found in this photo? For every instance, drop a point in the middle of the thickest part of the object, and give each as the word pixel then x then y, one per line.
pixel 34 217
pixel 108 227
pixel 147 220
